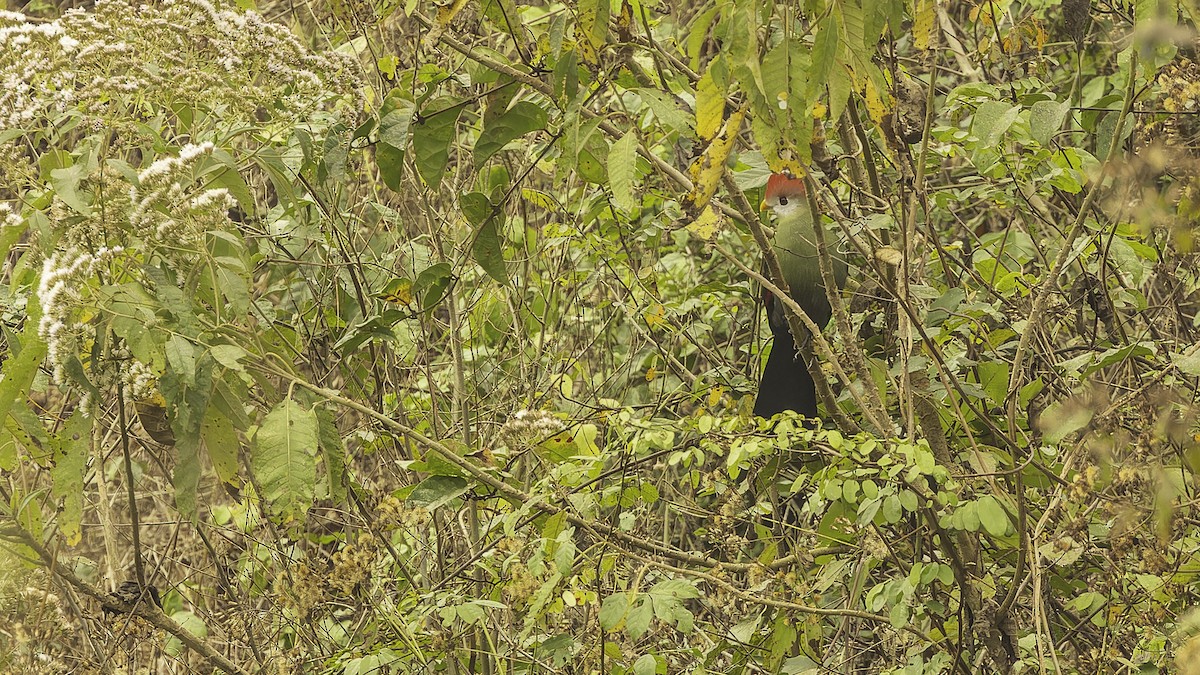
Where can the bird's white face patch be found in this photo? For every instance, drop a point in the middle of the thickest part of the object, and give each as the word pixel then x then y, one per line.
pixel 784 194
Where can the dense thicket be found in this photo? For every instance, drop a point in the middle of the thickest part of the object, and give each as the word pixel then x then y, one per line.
pixel 424 338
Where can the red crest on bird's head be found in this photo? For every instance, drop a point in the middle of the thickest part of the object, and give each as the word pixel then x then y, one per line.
pixel 783 184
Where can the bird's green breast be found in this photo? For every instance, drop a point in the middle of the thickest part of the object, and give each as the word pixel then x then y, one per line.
pixel 796 248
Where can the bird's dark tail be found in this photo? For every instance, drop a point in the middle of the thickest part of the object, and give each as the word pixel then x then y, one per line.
pixel 786 383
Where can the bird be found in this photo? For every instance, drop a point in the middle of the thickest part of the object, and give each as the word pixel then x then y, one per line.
pixel 786 383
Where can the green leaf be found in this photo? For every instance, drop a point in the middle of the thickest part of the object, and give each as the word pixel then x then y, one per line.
pixel 1063 418
pixel 431 137
pixel 181 355
pixel 65 182
pixel 335 151
pixel 19 369
pixel 486 248
pixel 192 624
pixel 390 161
pixel 824 54
pixel 992 120
pixel 992 516
pixel 221 444
pixel 431 285
pixel 612 611
pixel 521 119
pixel 72 449
pixel 1189 364
pixel 437 491
pixel 993 378
pixel 284 459
pixel 645 665
pixel 1046 118
pixel 333 453
pixel 668 111
pixel 622 171
pixel 637 620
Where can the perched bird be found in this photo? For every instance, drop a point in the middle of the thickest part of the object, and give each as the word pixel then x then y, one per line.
pixel 786 383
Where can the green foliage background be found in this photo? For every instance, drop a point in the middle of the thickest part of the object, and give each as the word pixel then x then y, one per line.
pixel 423 337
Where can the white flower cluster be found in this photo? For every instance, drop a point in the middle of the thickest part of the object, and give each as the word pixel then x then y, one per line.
pixel 8 217
pixel 164 211
pixel 142 75
pixel 165 53
pixel 140 382
pixel 532 425
pixel 65 275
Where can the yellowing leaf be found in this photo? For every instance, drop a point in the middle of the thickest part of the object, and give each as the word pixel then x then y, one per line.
pixel 445 15
pixel 714 395
pixel 398 291
pixel 651 374
pixel 706 224
pixel 707 170
pixel 875 105
pixel 447 12
pixel 710 106
pixel 591 27
pixel 654 315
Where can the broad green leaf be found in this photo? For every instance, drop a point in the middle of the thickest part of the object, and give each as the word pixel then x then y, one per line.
pixel 72 448
pixel 221 444
pixel 21 367
pixel 622 171
pixel 283 457
pixel 1046 118
pixel 476 207
pixel 993 379
pixel 192 624
pixel 645 665
pixel 698 35
pixel 668 111
pixel 487 247
pixel 181 355
pixel 390 161
pixel 229 356
pixel 638 618
pixel 333 453
pixel 507 17
pixel 431 285
pixel 992 119
pixel 992 516
pixel 335 151
pixel 188 404
pixel 1188 364
pixel 824 54
pixel 65 182
pixel 524 117
pixel 565 77
pixel 612 611
pixel 1063 418
pixel 432 134
pixel 436 491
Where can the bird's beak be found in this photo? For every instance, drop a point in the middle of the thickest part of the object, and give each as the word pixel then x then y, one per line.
pixel 762 206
